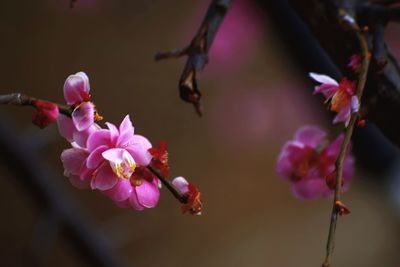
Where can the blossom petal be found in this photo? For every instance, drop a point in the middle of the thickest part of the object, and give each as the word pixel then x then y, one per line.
pixel 343 115
pixel 147 194
pixel 181 184
pixel 98 138
pixel 139 149
pixel 133 200
pixel 121 191
pixel 115 155
pixel 83 116
pixel 81 137
pixel 114 132
pixel 66 127
pixel 105 178
pixel 75 87
pixel 310 135
pixel 96 157
pixel 324 79
pixel 72 160
pixel 125 131
pixel 290 152
pixel 310 188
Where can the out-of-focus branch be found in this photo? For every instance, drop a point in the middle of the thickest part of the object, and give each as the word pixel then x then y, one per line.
pixel 197 53
pixel 72 3
pixel 338 207
pixel 19 99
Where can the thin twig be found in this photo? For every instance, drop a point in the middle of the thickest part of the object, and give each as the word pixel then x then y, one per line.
pixel 349 131
pixel 177 194
pixel 197 52
pixel 19 99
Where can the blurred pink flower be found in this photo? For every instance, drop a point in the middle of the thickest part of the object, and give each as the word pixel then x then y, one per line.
pixel 308 163
pixel 341 95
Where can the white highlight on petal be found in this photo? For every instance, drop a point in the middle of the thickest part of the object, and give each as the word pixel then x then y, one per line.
pixel 324 79
pixel 355 104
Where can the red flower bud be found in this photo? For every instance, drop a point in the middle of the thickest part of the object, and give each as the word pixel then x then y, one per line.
pixel 45 113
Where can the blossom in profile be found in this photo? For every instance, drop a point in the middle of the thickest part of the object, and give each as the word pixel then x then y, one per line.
pixel 308 163
pixel 45 113
pixel 191 194
pixel 341 95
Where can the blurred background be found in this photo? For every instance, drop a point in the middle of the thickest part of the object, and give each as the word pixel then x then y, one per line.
pixel 255 96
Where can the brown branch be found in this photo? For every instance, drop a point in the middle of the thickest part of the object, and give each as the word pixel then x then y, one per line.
pixel 175 192
pixel 337 205
pixel 19 99
pixel 197 53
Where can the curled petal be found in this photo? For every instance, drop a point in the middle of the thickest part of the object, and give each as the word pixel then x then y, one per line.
pixel 83 116
pixel 355 104
pixel 76 88
pixel 148 193
pixel 105 178
pixel 116 155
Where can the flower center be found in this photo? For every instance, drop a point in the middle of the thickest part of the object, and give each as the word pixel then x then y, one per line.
pixel 124 168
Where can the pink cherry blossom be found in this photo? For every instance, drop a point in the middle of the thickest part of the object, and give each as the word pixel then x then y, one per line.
pixel 341 95
pixel 308 163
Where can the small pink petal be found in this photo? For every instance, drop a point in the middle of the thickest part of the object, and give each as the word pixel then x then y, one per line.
pixel 324 79
pixel 72 160
pixel 181 184
pixel 121 191
pixel 125 131
pixel 96 157
pixel 66 127
pixel 83 116
pixel 310 135
pixel 98 138
pixel 105 178
pixel 75 86
pixel 147 194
